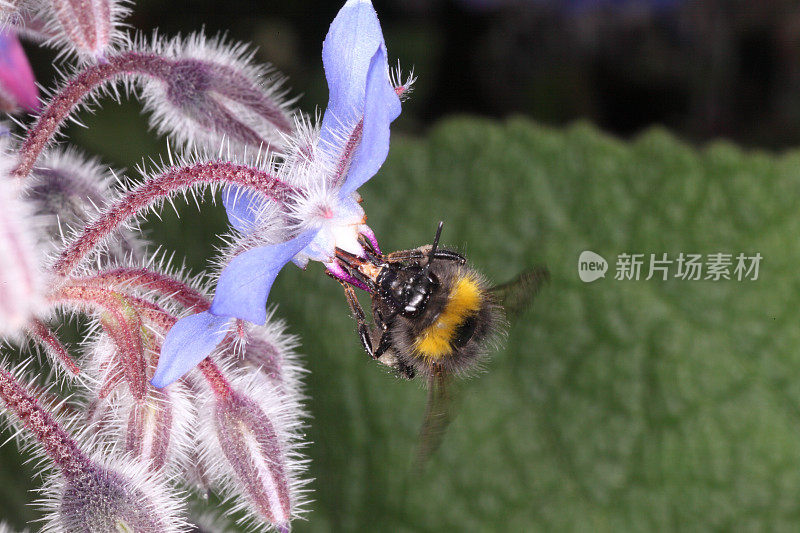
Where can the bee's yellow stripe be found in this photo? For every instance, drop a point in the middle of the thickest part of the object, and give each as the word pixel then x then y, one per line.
pixel 464 301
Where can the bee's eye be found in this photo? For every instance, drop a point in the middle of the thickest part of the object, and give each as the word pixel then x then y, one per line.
pixel 464 332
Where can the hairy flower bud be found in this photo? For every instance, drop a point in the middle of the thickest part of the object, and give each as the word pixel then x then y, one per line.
pixel 271 350
pixel 250 433
pixel 83 493
pixel 86 27
pixel 104 499
pixel 67 189
pixel 156 428
pixel 210 90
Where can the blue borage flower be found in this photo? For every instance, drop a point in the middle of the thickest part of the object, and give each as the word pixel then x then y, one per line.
pixel 326 169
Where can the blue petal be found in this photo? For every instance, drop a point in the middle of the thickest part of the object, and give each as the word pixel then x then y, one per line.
pixel 189 341
pixel 351 42
pixel 244 284
pixel 381 107
pixel 242 206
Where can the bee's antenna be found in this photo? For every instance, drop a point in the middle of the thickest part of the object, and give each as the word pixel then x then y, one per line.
pixel 435 242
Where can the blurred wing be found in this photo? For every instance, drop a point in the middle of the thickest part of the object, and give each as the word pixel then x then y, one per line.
pixel 438 415
pixel 517 295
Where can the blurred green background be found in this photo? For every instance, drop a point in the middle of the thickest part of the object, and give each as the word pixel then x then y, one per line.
pixel 616 405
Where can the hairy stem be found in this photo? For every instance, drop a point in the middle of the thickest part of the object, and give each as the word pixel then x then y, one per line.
pixel 170 182
pixel 52 346
pixel 121 320
pixel 57 444
pixel 144 279
pixel 216 380
pixel 77 89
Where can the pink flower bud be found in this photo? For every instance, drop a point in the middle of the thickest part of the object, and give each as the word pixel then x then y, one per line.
pixel 250 434
pixel 18 89
pixel 88 27
pixel 211 90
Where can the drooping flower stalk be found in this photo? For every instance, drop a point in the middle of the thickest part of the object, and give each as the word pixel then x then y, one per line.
pixel 74 92
pixel 66 189
pixel 140 278
pixel 190 87
pixel 120 318
pixel 160 187
pixel 55 442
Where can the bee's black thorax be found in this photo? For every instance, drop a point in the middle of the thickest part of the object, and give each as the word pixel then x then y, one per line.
pixel 406 289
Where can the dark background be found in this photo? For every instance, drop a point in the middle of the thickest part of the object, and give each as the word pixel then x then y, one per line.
pixel 705 69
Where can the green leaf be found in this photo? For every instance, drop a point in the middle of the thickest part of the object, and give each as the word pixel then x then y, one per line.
pixel 615 406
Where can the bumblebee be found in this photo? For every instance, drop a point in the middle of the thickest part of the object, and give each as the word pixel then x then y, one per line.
pixel 432 313
pixel 434 316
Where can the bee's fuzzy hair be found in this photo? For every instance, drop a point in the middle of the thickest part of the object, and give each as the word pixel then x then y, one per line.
pixel 462 361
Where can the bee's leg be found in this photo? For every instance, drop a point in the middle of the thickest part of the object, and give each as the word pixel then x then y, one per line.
pixel 351 263
pixel 361 320
pixel 405 371
pixel 344 276
pixel 384 344
pixel 368 245
pixel 404 255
